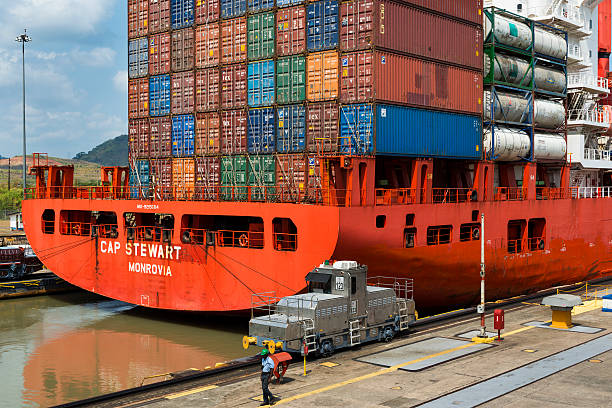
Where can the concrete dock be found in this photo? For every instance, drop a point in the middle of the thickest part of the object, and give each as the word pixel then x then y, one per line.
pixel 534 366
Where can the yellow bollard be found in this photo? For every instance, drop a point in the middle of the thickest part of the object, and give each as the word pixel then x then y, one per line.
pixel 561 319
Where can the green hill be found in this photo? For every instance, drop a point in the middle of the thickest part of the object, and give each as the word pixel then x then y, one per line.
pixel 113 152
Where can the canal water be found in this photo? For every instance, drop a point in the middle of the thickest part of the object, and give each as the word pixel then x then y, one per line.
pixel 61 348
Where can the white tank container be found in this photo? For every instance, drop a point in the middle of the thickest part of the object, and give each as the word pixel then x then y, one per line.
pixel 513 108
pixel 512 70
pixel 548 79
pixel 548 114
pixel 509 32
pixel 550 44
pixel 510 144
pixel 549 147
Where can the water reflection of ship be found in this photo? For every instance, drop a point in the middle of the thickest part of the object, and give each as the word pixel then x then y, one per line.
pixel 120 351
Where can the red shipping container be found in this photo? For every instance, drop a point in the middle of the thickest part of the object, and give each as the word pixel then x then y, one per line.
pixel 468 10
pixel 161 137
pixel 138 98
pixel 207 89
pixel 405 29
pixel 234 86
pixel 183 49
pixel 315 190
pixel 233 40
pixel 206 11
pixel 368 76
pixel 159 16
pixel 323 127
pixel 159 54
pixel 291 31
pixel 233 131
pixel 138 139
pixel 207 45
pixel 207 178
pixel 208 132
pixel 183 90
pixel 161 178
pixel 291 177
pixel 138 18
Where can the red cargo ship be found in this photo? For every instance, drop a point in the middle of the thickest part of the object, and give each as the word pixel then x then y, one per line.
pixel 381 159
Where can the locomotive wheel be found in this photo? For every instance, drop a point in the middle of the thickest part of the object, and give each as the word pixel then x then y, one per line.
pixel 326 349
pixel 388 334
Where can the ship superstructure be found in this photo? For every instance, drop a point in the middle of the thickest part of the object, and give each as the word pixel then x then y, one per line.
pixel 268 136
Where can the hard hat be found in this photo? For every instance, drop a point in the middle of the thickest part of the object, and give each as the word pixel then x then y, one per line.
pixel 264 352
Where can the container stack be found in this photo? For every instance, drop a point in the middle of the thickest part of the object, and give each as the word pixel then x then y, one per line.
pixel 525 77
pixel 239 99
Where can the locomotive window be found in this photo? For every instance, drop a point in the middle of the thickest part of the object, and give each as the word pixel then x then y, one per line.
pixel 353 285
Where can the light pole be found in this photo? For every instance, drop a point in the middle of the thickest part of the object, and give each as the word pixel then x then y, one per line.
pixel 24 38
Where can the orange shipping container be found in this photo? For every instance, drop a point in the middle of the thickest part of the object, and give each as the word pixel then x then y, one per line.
pixel 322 76
pixel 291 31
pixel 233 40
pixel 207 45
pixel 207 89
pixel 183 87
pixel 183 177
pixel 159 54
pixel 380 76
pixel 206 11
pixel 208 132
pixel 138 98
pixel 183 43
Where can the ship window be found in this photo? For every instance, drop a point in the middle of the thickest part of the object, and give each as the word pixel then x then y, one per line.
pixel 153 227
pixel 409 237
pixel 223 230
pixel 469 232
pixel 353 285
pixel 75 223
pixel 48 222
pixel 475 215
pixel 409 220
pixel 381 220
pixel 536 231
pixel 440 234
pixel 516 232
pixel 104 224
pixel 284 234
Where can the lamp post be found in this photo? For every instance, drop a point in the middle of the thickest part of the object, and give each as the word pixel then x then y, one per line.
pixel 23 39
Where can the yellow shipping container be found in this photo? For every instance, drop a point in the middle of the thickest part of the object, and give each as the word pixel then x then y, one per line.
pixel 322 76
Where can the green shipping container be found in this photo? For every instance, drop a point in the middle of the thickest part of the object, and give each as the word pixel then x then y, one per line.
pixel 291 79
pixel 262 176
pixel 234 178
pixel 260 36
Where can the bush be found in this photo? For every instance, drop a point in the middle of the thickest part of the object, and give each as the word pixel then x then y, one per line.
pixel 10 199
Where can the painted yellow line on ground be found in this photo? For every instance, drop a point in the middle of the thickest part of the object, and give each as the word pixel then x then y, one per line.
pixel 587 306
pixel 194 391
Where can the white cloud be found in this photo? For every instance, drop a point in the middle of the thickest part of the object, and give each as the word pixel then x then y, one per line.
pixel 120 80
pixel 96 57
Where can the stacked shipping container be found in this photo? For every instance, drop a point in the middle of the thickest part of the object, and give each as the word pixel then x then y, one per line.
pixel 249 92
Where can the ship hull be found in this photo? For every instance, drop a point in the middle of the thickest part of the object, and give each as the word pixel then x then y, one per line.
pixel 578 237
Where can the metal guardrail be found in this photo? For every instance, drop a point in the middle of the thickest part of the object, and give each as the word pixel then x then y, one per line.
pixel 596 116
pixel 582 79
pixel 595 154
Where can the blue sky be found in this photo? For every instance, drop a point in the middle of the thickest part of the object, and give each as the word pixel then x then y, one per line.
pixel 76 74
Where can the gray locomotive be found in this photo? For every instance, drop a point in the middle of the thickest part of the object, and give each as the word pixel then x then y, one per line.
pixel 340 310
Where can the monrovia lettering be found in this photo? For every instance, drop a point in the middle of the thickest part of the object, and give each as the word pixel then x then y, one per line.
pixel 149 269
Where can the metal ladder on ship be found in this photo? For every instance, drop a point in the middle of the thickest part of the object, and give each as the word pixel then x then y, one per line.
pixel 354 332
pixel 403 314
pixel 309 334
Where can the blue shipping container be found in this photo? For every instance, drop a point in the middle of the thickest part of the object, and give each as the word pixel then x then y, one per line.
pixel 287 3
pixel 261 83
pixel 255 6
pixel 183 135
pixel 139 179
pixel 262 127
pixel 159 95
pixel 138 58
pixel 233 8
pixel 182 12
pixel 291 135
pixel 322 25
pixel 418 132
pixel 356 129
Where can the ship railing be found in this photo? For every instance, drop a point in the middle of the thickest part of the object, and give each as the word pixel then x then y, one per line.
pixel 536 244
pixel 48 226
pixel 391 196
pixel 240 239
pixel 149 233
pixel 509 194
pixel 265 304
pixel 284 241
pixel 592 192
pixel 553 193
pixel 403 287
pixel 515 246
pixel 75 228
pixel 596 154
pixel 104 230
pixel 453 195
